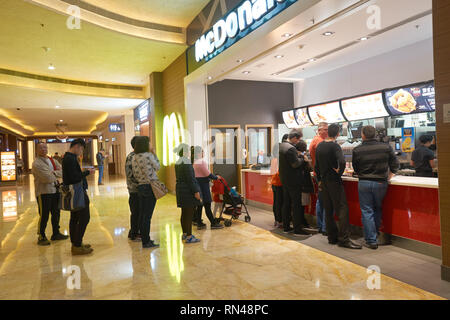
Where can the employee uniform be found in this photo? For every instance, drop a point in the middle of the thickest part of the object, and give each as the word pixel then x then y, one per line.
pixel 320 210
pixel 421 157
pixel 133 200
pixel 145 167
pixel 79 220
pixel 372 161
pixel 329 156
pixel 46 172
pixel 290 168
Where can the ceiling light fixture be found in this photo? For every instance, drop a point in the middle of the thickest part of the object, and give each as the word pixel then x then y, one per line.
pixel 210 78
pixel 246 72
pixel 312 60
pixel 363 38
pixel 287 35
pixel 239 60
pixel 328 33
pixel 275 74
pixel 57 107
pixel 61 120
pixel 279 56
pixel 51 67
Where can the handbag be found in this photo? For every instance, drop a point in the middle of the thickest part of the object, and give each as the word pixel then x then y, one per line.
pixel 159 189
pixel 72 197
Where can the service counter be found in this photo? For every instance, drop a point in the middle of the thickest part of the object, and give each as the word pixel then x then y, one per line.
pixel 410 209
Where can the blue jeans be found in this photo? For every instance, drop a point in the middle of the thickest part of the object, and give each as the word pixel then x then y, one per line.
pixel 371 196
pixel 320 213
pixel 100 174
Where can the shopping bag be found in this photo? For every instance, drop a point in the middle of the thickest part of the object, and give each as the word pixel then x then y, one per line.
pixel 72 197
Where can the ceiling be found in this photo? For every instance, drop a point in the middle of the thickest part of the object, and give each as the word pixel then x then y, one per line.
pixel 92 54
pixel 404 22
pixel 170 12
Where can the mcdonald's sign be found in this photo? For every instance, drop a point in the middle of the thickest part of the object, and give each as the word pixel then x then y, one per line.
pixel 173 135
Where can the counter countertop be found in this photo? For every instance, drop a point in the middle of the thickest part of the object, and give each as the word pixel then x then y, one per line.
pixel 265 172
pixel 407 181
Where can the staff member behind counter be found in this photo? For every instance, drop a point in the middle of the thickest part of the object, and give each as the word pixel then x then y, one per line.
pixel 423 158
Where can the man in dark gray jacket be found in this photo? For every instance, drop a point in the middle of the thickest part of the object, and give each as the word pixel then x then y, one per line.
pixel 291 164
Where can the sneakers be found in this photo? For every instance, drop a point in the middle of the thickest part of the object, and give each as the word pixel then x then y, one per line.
pixel 87 245
pixel 183 236
pixel 59 236
pixel 201 226
pixel 217 226
pixel 150 244
pixel 191 239
pixel 43 241
pixel 372 246
pixel 78 251
pixel 301 233
pixel 290 230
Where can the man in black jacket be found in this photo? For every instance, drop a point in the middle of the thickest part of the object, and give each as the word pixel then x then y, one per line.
pixel 330 165
pixel 72 174
pixel 291 164
pixel 371 162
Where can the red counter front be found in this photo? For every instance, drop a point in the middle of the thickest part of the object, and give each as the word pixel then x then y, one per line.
pixel 409 211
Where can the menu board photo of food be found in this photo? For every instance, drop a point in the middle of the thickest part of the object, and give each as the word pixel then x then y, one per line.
pixel 330 113
pixel 414 99
pixel 8 166
pixel 366 107
pixel 289 119
pixel 301 115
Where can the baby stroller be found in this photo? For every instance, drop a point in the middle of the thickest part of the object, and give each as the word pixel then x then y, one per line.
pixel 233 204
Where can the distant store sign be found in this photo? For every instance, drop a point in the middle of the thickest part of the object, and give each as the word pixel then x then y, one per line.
pixel 143 112
pixel 115 127
pixel 238 23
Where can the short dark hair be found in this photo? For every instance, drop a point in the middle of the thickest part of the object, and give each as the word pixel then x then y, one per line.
pixel 426 138
pixel 301 146
pixel 56 152
pixel 79 141
pixel 369 132
pixel 296 133
pixel 142 144
pixel 285 138
pixel 333 130
pixel 133 141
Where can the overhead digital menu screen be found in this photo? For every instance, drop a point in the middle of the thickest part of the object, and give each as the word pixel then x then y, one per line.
pixel 289 119
pixel 302 118
pixel 412 99
pixel 365 107
pixel 330 113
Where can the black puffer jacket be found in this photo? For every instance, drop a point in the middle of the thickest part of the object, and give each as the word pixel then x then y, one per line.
pixel 186 185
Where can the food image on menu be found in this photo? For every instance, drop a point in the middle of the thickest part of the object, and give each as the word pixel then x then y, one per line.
pixel 8 166
pixel 330 112
pixel 289 119
pixel 403 101
pixel 302 118
pixel 364 107
pixel 414 99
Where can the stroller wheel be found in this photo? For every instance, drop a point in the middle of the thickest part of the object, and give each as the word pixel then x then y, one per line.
pixel 228 223
pixel 248 219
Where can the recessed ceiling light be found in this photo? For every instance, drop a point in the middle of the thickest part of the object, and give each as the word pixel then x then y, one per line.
pixel 246 72
pixel 57 107
pixel 328 33
pixel 312 60
pixel 239 60
pixel 363 38
pixel 279 56
pixel 61 120
pixel 51 67
pixel 275 74
pixel 287 35
pixel 210 78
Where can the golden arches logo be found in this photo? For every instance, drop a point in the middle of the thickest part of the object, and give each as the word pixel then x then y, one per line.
pixel 173 135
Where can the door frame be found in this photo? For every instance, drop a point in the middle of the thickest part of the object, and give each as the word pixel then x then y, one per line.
pixel 239 152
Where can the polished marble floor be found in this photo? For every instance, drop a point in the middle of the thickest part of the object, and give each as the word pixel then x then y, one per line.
pixel 241 262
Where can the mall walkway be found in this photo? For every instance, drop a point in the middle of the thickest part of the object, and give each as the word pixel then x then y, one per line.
pixel 241 262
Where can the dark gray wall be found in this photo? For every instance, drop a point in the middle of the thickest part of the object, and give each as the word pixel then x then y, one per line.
pixel 249 102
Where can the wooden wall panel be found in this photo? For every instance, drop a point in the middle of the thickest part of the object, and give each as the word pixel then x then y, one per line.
pixel 441 36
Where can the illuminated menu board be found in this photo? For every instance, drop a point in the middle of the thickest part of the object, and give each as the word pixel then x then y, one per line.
pixel 366 107
pixel 302 118
pixel 8 166
pixel 9 205
pixel 411 99
pixel 289 119
pixel 330 113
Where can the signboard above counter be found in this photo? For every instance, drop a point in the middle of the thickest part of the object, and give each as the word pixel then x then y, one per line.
pixel 411 99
